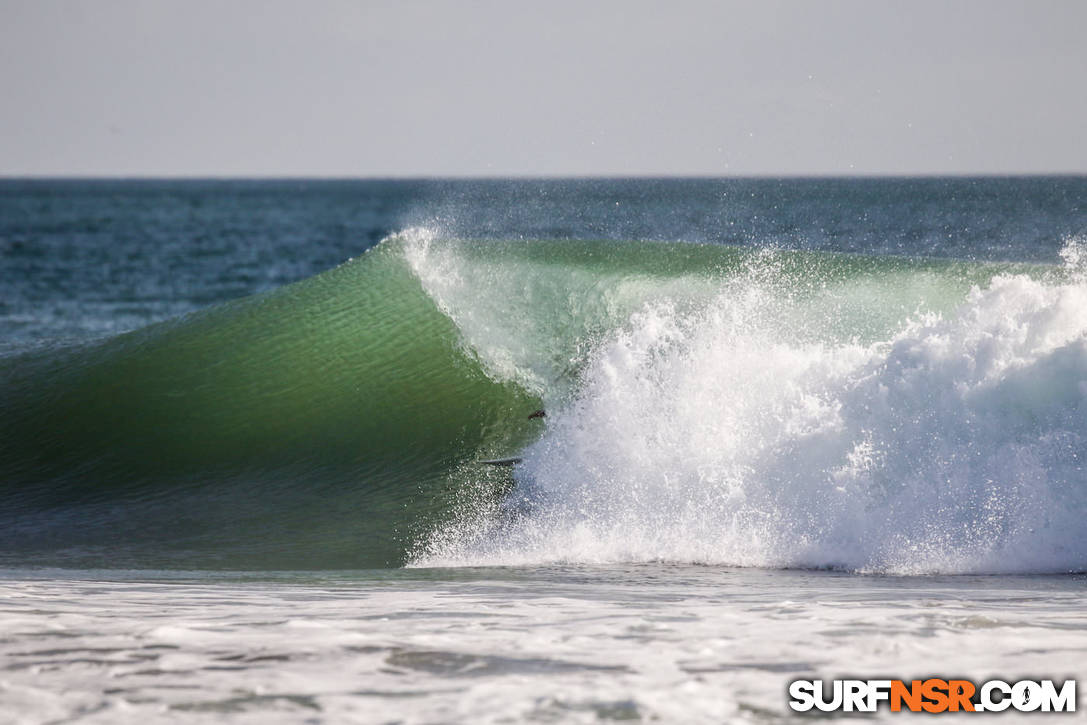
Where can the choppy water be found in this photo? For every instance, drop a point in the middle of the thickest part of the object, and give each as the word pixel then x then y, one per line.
pixel 871 394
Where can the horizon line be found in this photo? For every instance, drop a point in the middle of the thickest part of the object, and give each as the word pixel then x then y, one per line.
pixel 540 177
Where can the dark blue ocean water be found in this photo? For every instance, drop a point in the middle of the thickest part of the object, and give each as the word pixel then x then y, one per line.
pixel 85 258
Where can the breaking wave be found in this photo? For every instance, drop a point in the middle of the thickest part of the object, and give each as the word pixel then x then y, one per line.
pixel 902 419
pixel 705 403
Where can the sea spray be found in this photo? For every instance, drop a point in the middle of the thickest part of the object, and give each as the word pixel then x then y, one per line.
pixel 758 430
pixel 532 312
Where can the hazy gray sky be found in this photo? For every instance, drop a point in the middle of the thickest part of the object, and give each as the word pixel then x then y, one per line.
pixel 225 87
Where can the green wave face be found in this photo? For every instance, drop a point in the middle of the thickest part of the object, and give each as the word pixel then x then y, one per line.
pixel 313 426
pixel 330 423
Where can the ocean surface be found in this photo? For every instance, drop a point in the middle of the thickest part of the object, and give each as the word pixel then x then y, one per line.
pixel 795 428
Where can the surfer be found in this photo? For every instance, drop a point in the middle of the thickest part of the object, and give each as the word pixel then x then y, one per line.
pixel 514 460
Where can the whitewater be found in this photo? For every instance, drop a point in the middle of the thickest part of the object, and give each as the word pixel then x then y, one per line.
pixel 763 424
pixel 795 429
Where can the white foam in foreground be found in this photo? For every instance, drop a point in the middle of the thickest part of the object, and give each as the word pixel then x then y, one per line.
pixel 732 436
pixel 644 643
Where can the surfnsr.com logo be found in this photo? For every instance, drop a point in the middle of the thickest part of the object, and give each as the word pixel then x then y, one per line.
pixel 932 695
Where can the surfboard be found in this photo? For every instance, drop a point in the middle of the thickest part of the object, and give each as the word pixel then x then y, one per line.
pixel 502 461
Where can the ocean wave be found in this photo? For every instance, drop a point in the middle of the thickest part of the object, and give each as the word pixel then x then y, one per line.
pixel 705 403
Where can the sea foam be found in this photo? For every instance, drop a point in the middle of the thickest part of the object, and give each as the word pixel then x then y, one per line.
pixel 755 429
